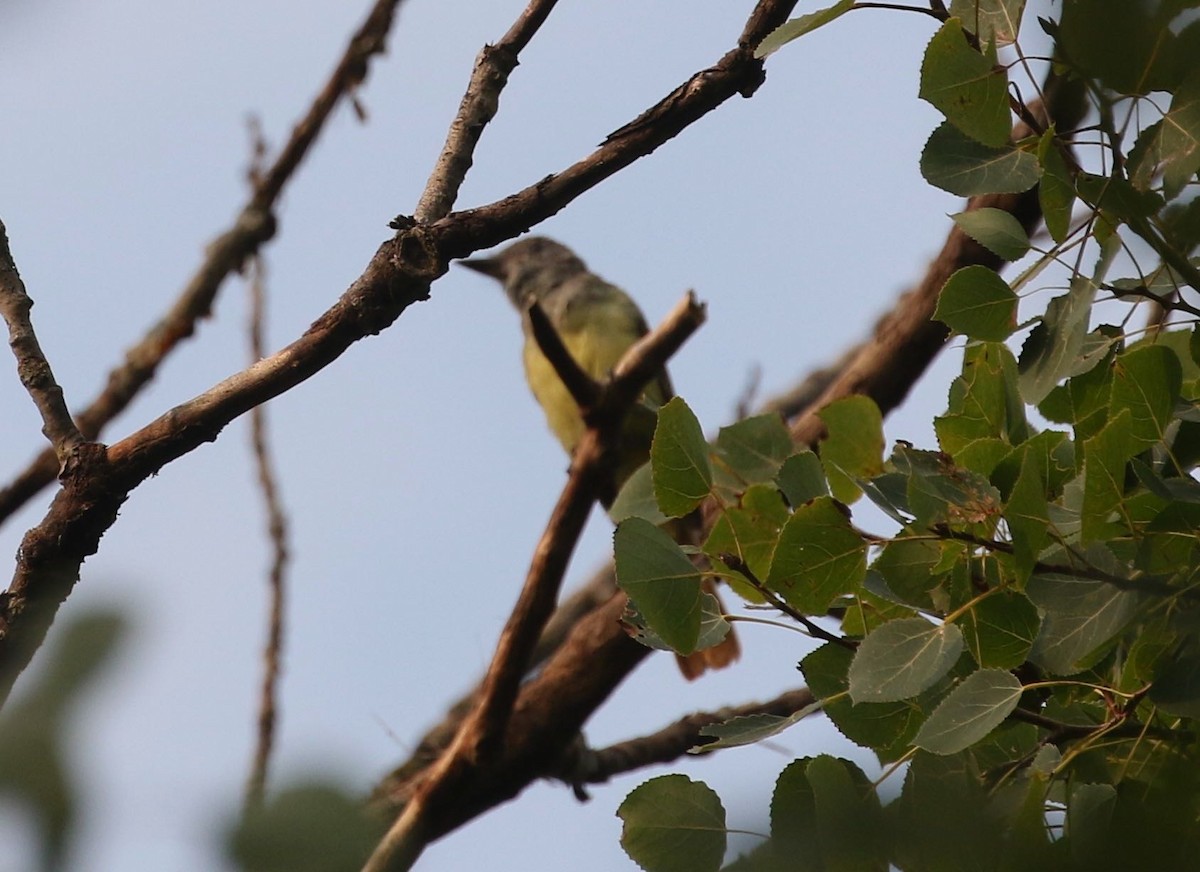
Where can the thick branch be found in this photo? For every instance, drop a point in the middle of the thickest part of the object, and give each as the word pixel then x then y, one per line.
pixel 32 367
pixel 254 226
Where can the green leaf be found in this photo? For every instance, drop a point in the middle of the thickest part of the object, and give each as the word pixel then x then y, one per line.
pixel 1028 514
pixel 853 448
pixel 679 456
pixel 992 21
pixel 1089 816
pixel 1000 629
pixel 797 27
pixel 940 493
pixel 755 448
pixel 819 557
pixel 1080 615
pixel 956 163
pixel 887 728
pixel 750 729
pixel 750 531
pixel 1104 458
pixel 801 478
pixel 1056 193
pixel 996 230
pixel 1125 45
pixel 1177 689
pixel 1179 141
pixel 636 499
pixel 1083 401
pixel 978 303
pixel 907 565
pixel 1170 542
pixel 967 87
pixel 870 610
pixel 660 580
pixel 970 712
pixel 1117 196
pixel 1050 352
pixel 903 658
pixel 1146 381
pixel 825 815
pixel 986 414
pixel 673 824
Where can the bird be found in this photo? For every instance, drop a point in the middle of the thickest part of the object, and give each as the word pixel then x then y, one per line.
pixel 597 322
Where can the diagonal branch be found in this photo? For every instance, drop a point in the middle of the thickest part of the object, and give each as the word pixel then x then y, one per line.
pixel 481 737
pixel 493 66
pixel 254 226
pixel 32 366
pixel 584 389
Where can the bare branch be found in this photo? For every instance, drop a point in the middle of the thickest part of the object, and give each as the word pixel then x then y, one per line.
pixel 738 72
pixel 582 387
pixel 254 226
pixel 478 107
pixel 276 576
pixel 32 367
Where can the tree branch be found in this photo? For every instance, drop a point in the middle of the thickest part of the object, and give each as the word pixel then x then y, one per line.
pixel 277 574
pixel 738 72
pixel 481 737
pixel 671 742
pixel 584 389
pixel 478 107
pixel 32 367
pixel 254 226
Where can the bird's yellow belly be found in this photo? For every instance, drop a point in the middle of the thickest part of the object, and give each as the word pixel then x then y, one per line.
pixel 596 352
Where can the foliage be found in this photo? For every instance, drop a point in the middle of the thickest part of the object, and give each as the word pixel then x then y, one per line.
pixel 1024 642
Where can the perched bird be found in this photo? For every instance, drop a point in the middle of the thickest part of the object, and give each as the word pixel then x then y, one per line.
pixel 597 322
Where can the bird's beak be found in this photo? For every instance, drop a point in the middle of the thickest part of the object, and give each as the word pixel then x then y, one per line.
pixel 489 266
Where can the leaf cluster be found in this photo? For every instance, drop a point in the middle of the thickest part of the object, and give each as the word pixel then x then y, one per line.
pixel 1023 645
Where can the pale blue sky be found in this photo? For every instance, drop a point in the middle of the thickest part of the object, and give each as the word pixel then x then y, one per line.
pixel 416 470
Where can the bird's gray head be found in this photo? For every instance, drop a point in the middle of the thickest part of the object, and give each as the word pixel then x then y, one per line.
pixel 529 269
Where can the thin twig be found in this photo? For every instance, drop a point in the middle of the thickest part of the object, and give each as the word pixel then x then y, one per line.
pixel 276 576
pixel 479 104
pixel 582 387
pixel 32 367
pixel 814 629
pixel 254 226
pixel 671 742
